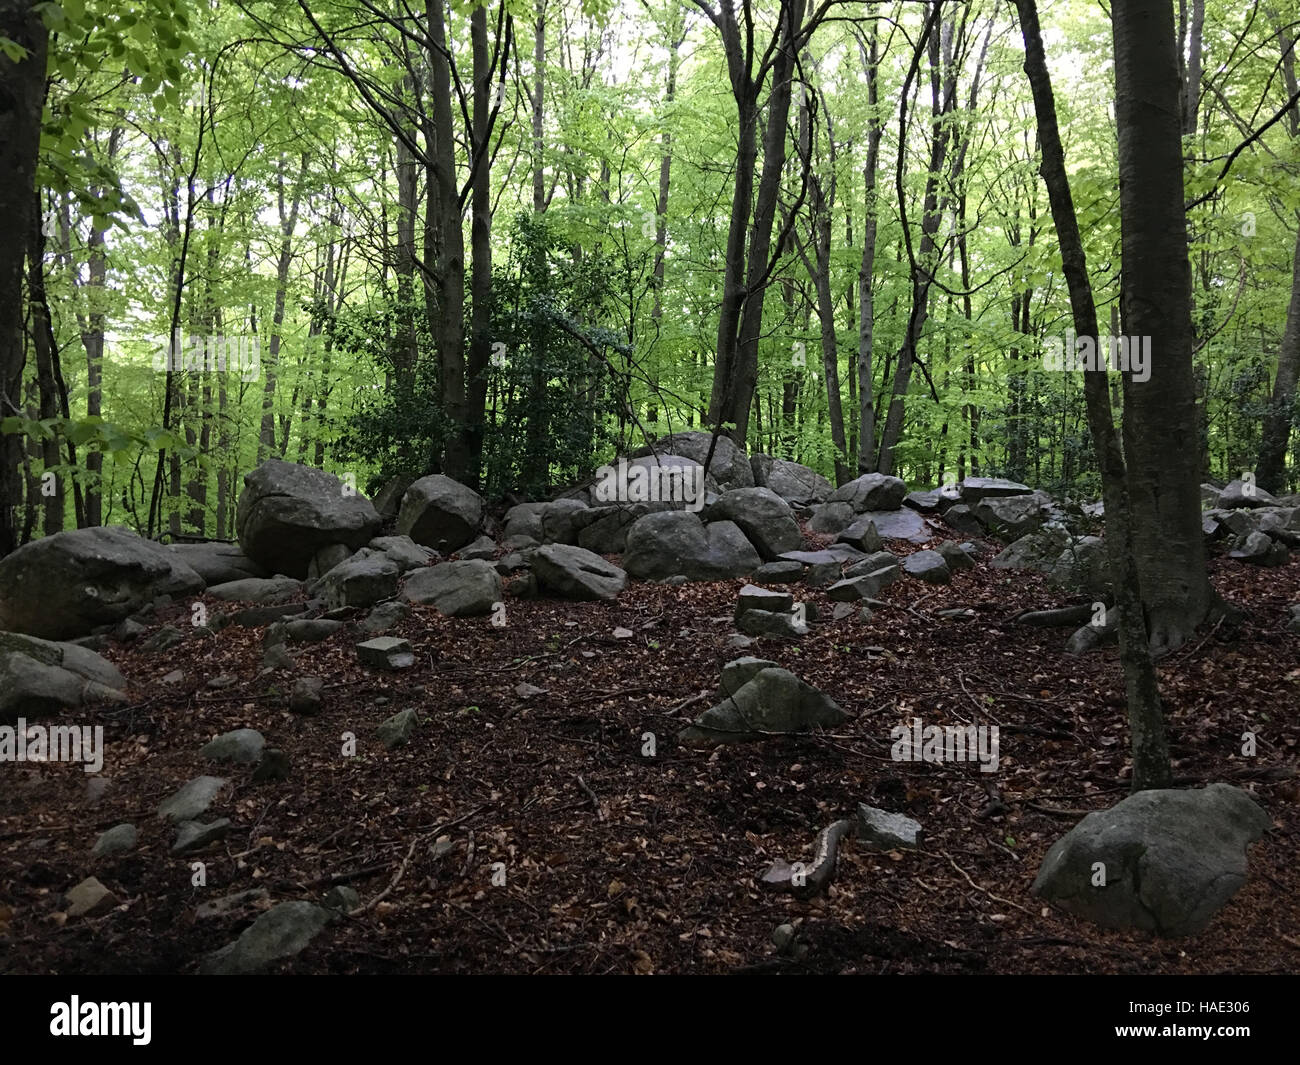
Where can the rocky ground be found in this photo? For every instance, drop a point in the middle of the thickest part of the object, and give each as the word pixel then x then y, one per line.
pixel 526 827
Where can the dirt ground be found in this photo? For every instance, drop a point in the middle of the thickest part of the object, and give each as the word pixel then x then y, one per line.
pixel 615 861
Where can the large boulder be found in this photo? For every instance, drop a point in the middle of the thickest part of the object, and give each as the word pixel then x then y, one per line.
pixel 216 562
pixel 791 481
pixel 906 525
pixel 871 491
pixel 763 516
pixel 440 513
pixel 604 528
pixel 729 468
pixel 1038 551
pixel 1010 517
pixel 577 573
pixel 1241 494
pixel 464 588
pixel 676 543
pixel 287 513
pixel 40 677
pixel 1081 568
pixel 363 580
pixel 1162 861
pixel 65 585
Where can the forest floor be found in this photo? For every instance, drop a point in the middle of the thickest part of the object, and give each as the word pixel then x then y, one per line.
pixel 620 862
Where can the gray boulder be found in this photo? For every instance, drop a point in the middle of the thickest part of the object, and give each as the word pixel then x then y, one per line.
pixel 730 466
pixel 974 490
pixel 65 585
pixel 577 573
pixel 403 552
pixel 243 746
pixel 217 563
pixel 1009 517
pixel 386 652
pixel 362 580
pixel 1162 861
pixel 763 516
pixel 929 566
pixel 272 590
pixel 862 534
pixel 831 517
pixel 871 492
pixel 465 588
pixel 1239 494
pixel 440 513
pixel 881 830
pixel 899 525
pixel 675 542
pixel 1081 568
pixel 791 481
pixel 1260 549
pixel 961 518
pixel 288 512
pixel 1037 551
pixel 192 799
pixel 41 677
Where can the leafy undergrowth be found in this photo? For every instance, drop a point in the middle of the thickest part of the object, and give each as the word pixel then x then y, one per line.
pixel 619 862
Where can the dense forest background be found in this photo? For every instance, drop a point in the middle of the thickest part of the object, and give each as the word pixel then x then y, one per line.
pixel 508 241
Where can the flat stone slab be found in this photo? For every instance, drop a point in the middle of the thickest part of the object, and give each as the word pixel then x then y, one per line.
pixel 192 799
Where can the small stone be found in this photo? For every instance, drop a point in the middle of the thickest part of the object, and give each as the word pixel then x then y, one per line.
pixel 386 652
pixel 779 573
pixel 881 830
pixel 193 835
pixel 279 933
pixel 96 789
pixel 623 634
pixel 116 840
pixel 192 799
pixel 129 629
pixel 242 746
pixel 162 640
pixel 385 616
pixel 223 681
pixel 174 677
pixel 304 630
pixel 753 597
pixel 341 899
pixel 307 695
pixel 277 657
pixel 89 899
pixel 526 691
pixel 396 731
pixel 783 937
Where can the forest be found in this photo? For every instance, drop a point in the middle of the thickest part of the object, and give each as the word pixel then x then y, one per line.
pixel 695 423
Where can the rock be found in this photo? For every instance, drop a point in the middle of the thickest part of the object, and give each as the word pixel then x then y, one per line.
pixel 783 937
pixel 273 766
pixel 831 517
pixel 232 905
pixel 310 630
pixel 956 558
pixel 221 682
pixel 729 468
pixel 823 574
pixel 243 747
pixel 163 640
pixel 605 531
pixel 484 547
pixel 861 534
pixel 1089 637
pixel 388 500
pixel 270 590
pixel 286 513
pixel 129 630
pixel 926 502
pixel 89 899
pixel 341 899
pixel 876 562
pixel 791 481
pixel 192 799
pixel 763 516
pixel 881 830
pixel 1239 494
pixel 974 490
pixel 117 840
pixel 326 559
pixel 770 623
pixel 1081 569
pixel 282 932
pixel 929 566
pixel 836 553
pixel 577 573
pixel 385 616
pixel 871 492
pixel 194 836
pixel 863 586
pixel 754 598
pixel 403 552
pixel 69 584
pixel 676 542
pixel 1260 550
pixel 386 652
pixel 962 519
pixel 561 519
pixel 1281 523
pixel 362 580
pixel 217 563
pixel 96 789
pixel 1293 625
pixel 815 876
pixel 1009 517
pixel 176 676
pixel 899 525
pixel 1171 859
pixel 740 671
pixel 465 588
pixel 1038 551
pixel 779 572
pixel 31 689
pixel 773 700
pixel 440 513
pixel 396 731
pixel 276 657
pixel 256 616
